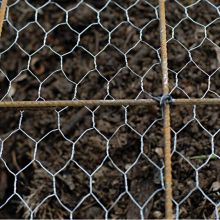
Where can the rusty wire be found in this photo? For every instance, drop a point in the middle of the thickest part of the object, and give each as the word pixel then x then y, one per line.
pixel 125 102
pixel 167 135
pixel 91 103
pixel 167 129
pixel 2 14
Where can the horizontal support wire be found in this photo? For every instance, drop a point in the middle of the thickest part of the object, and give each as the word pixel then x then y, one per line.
pixel 119 102
pixel 165 102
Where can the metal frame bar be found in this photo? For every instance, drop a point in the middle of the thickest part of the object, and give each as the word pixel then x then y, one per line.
pixel 2 14
pixel 166 121
pixel 126 102
pixel 117 102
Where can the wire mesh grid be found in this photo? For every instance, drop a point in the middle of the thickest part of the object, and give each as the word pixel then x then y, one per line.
pixel 102 161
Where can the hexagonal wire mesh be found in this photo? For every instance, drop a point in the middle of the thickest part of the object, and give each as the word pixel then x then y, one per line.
pixel 107 162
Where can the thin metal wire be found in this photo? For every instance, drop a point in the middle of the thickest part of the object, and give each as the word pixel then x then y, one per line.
pixel 167 129
pixel 2 14
pixel 125 102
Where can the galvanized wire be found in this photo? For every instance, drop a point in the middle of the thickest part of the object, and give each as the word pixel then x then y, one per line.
pixel 188 100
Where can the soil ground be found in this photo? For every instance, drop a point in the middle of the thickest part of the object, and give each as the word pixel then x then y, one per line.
pixel 119 150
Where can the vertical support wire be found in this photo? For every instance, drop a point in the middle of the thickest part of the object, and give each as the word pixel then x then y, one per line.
pixel 2 14
pixel 166 106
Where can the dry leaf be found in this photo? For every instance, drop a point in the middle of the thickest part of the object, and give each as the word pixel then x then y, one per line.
pixel 215 186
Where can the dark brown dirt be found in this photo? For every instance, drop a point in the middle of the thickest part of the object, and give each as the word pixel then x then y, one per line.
pixel 91 159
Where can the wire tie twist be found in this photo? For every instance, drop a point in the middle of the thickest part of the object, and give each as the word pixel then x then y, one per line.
pixel 164 99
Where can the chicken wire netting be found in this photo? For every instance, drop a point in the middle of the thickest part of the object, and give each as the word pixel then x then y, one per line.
pixel 108 162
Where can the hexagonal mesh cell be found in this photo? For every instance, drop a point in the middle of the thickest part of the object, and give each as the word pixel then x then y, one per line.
pixel 95 162
pixel 195 160
pixel 108 36
pixel 74 39
pixel 66 163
